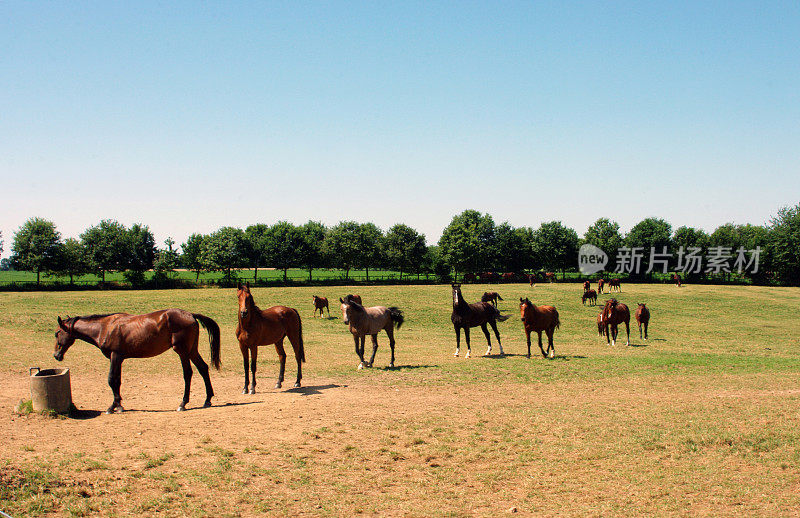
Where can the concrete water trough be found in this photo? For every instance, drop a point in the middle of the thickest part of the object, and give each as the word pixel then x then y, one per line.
pixel 50 390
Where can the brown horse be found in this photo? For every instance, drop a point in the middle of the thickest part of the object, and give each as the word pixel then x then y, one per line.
pixel 591 296
pixel 586 285
pixel 354 298
pixel 677 280
pixel 319 304
pixel 539 318
pixel 615 313
pixel 600 284
pixel 642 316
pixel 614 283
pixel 120 336
pixel 263 327
pixel 600 327
pixel 491 296
pixel 465 316
pixel 550 276
pixel 532 280
pixel 370 321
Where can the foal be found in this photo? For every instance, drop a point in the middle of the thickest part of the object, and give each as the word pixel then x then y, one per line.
pixel 370 321
pixel 615 313
pixel 539 318
pixel 319 304
pixel 491 296
pixel 480 314
pixel 643 319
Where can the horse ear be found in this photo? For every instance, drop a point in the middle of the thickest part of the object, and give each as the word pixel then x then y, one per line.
pixel 60 322
pixel 247 284
pixel 521 300
pixel 239 286
pixel 340 300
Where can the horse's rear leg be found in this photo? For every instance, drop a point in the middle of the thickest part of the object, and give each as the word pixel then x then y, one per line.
pixel 114 381
pixel 628 333
pixel 466 338
pixel 541 348
pixel 390 333
pixel 202 368
pixel 497 335
pixel 187 381
pixel 374 349
pixel 551 349
pixel 488 339
pixel 282 357
pixel 359 350
pixel 645 329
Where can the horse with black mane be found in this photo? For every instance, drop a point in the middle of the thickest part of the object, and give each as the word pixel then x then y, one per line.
pixel 615 313
pixel 120 336
pixel 370 321
pixel 539 318
pixel 642 316
pixel 466 315
pixel 263 327
pixel 589 295
pixel 614 283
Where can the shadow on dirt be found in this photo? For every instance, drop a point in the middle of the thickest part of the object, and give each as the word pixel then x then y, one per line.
pixel 406 367
pixel 312 390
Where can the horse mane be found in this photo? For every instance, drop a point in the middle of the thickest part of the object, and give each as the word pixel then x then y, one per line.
pixel 352 303
pixel 91 317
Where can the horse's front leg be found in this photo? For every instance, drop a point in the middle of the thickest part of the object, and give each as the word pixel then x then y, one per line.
pixel 488 339
pixel 282 357
pixel 114 381
pixel 187 381
pixel 458 340
pixel 359 352
pixel 497 335
pixel 374 349
pixel 541 348
pixel 253 360
pixel 528 335
pixel 466 338
pixel 246 361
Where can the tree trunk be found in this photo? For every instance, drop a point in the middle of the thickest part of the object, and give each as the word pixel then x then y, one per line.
pixel 255 275
pixel 197 278
pixel 347 273
pixel 366 269
pixel 103 276
pixel 285 271
pixel 70 278
pixel 309 274
pixel 37 276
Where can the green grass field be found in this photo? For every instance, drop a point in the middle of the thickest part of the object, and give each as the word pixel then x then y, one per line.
pixel 700 419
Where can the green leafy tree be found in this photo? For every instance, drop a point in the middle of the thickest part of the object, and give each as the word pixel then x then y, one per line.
pixel 404 248
pixel 72 260
pixel 370 242
pixel 556 246
pixel 141 253
pixel 107 247
pixel 605 235
pixel 191 254
pixel 467 243
pixel 257 245
pixel 165 262
pixel 224 251
pixel 36 246
pixel 311 253
pixel 513 248
pixel 650 233
pixel 690 237
pixel 784 244
pixel 342 246
pixel 282 242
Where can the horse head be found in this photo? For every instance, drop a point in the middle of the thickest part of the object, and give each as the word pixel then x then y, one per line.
pixel 608 309
pixel 245 299
pixel 525 307
pixel 457 296
pixel 349 306
pixel 65 337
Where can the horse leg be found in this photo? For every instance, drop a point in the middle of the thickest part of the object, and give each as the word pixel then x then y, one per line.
pixel 202 368
pixel 253 358
pixel 114 381
pixel 374 349
pixel 187 381
pixel 640 330
pixel 458 340
pixel 282 357
pixel 540 344
pixel 497 335
pixel 390 334
pixel 551 349
pixel 488 339
pixel 645 329
pixel 628 333
pixel 614 331
pixel 246 361
pixel 528 333
pixel 466 338
pixel 358 353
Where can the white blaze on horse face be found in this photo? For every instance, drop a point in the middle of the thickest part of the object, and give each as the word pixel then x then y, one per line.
pixel 455 297
pixel 344 314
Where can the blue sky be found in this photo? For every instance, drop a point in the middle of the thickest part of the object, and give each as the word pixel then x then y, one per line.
pixel 188 116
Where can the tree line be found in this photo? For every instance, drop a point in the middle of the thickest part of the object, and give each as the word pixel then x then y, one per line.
pixel 471 243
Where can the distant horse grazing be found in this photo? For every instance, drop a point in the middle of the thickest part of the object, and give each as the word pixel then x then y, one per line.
pixel 586 285
pixel 532 279
pixel 591 296
pixel 491 296
pixel 465 316
pixel 677 280
pixel 370 321
pixel 615 313
pixel 614 283
pixel 550 276
pixel 539 318
pixel 600 285
pixel 120 336
pixel 319 304
pixel 263 327
pixel 509 277
pixel 643 318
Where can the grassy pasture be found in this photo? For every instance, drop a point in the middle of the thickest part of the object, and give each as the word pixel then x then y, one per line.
pixel 700 419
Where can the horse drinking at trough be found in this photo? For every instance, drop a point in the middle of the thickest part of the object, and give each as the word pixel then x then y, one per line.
pixel 465 316
pixel 589 295
pixel 615 313
pixel 539 318
pixel 320 303
pixel 491 296
pixel 370 321
pixel 263 327
pixel 120 336
pixel 642 316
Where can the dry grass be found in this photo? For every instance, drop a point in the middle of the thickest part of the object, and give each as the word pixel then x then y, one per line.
pixel 702 420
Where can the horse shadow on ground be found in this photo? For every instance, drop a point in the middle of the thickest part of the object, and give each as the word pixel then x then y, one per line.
pixel 561 357
pixel 406 367
pixel 312 390
pixel 188 409
pixel 82 415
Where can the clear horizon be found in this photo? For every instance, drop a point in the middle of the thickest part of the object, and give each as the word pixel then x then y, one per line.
pixel 188 117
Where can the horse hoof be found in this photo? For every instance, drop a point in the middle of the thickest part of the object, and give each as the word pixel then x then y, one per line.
pixel 297 385
pixel 277 385
pixel 207 404
pixel 244 390
pixel 181 408
pixel 251 391
pixel 391 365
pixel 360 366
pixel 456 355
pixel 467 356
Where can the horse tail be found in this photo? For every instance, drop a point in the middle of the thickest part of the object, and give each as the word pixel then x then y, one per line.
pixel 397 316
pixel 500 317
pixel 557 324
pixel 213 336
pixel 300 335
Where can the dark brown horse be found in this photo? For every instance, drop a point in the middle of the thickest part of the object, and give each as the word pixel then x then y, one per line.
pixel 491 296
pixel 120 336
pixel 600 327
pixel 539 318
pixel 370 321
pixel 586 285
pixel 642 316
pixel 600 284
pixel 465 316
pixel 677 280
pixel 354 298
pixel 615 313
pixel 321 303
pixel 614 283
pixel 263 327
pixel 591 296
pixel 532 280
